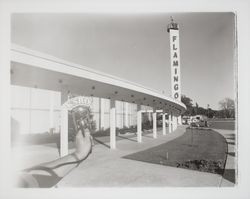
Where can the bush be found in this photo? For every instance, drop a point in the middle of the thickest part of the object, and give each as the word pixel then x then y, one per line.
pixel 147 125
pixel 203 165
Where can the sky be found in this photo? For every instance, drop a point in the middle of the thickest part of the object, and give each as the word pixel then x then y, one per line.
pixel 136 47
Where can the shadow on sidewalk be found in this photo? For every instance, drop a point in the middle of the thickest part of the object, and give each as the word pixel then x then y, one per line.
pixel 100 142
pixel 229 174
pixel 231 154
pixel 123 137
pixel 147 136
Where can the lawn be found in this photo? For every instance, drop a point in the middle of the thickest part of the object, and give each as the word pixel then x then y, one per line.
pixel 222 124
pixel 196 149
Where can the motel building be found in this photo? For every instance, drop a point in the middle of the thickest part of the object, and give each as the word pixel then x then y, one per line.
pixel 44 88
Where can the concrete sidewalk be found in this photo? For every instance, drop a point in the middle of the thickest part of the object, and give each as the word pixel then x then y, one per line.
pixel 107 168
pixel 229 176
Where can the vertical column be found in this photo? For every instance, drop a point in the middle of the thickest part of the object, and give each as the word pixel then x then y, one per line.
pixel 174 123
pixel 154 124
pixel 64 125
pixel 64 96
pixel 102 109
pixel 131 114
pixel 126 114
pixel 112 124
pixel 139 123
pixel 170 122
pixel 149 117
pixel 64 133
pixel 30 110
pixel 179 120
pixel 121 115
pixel 164 123
pixel 51 112
pixel 100 115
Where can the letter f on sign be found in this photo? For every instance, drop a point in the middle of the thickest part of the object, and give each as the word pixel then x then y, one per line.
pixel 174 38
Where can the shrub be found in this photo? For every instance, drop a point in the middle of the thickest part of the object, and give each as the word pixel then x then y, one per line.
pixel 203 165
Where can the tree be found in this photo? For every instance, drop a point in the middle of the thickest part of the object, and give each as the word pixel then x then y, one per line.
pixel 211 113
pixel 196 109
pixel 188 102
pixel 228 108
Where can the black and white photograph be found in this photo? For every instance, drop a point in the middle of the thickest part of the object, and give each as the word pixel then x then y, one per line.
pixel 120 100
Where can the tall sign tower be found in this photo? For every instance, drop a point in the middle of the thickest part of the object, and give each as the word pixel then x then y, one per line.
pixel 173 30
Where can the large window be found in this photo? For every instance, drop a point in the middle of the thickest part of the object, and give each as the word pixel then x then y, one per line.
pixel 34 110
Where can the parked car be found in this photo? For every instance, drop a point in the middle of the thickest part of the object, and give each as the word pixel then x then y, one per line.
pixel 199 121
pixel 186 120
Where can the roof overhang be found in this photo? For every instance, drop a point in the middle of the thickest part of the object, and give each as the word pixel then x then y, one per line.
pixel 35 69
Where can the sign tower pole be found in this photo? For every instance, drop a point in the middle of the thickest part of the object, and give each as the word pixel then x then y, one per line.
pixel 173 30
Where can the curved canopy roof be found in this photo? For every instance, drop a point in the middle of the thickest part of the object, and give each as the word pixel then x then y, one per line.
pixel 35 69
